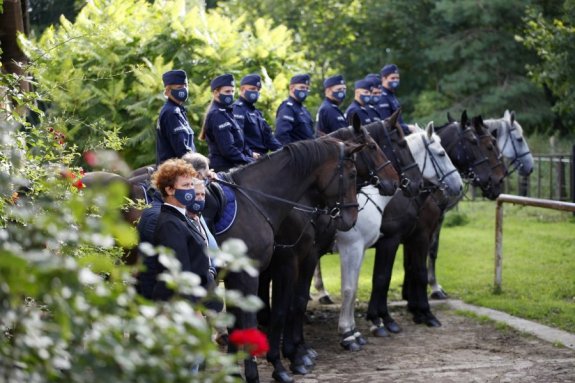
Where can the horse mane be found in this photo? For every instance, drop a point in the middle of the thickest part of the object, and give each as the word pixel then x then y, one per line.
pixel 305 155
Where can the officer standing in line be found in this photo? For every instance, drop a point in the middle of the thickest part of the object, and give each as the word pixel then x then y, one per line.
pixel 361 103
pixel 375 96
pixel 224 136
pixel 293 120
pixel 174 136
pixel 389 102
pixel 329 117
pixel 258 135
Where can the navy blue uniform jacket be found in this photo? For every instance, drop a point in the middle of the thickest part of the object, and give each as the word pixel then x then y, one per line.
pixel 293 122
pixel 329 117
pixel 257 133
pixel 174 136
pixel 225 139
pixel 389 104
pixel 176 232
pixel 361 111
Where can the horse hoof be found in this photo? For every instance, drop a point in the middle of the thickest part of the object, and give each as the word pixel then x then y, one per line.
pixel 393 327
pixel 432 322
pixel 360 339
pixel 379 332
pixel 298 369
pixel 351 346
pixel 282 377
pixel 307 361
pixel 438 295
pixel 326 300
pixel 311 353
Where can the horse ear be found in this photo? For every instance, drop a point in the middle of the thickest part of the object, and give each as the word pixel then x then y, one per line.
pixel 394 117
pixel 464 119
pixel 477 124
pixel 506 114
pixel 430 129
pixel 352 148
pixel 449 118
pixel 356 123
pixel 512 117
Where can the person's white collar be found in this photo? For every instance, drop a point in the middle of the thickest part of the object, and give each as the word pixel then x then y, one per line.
pixel 180 209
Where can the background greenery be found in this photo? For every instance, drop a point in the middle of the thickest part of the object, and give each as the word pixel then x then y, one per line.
pixel 104 68
pixel 538 263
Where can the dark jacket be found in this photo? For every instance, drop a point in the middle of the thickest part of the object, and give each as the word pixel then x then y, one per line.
pixel 329 117
pixel 389 104
pixel 361 111
pixel 174 136
pixel 293 122
pixel 178 233
pixel 225 139
pixel 257 133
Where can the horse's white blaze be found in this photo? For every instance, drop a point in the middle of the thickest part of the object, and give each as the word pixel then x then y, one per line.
pixel 352 245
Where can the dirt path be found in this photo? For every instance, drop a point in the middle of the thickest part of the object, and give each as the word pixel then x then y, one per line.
pixel 462 350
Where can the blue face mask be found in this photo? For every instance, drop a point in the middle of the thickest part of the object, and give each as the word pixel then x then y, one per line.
pixel 300 94
pixel 393 84
pixel 185 196
pixel 196 207
pixel 180 94
pixel 365 98
pixel 251 95
pixel 375 100
pixel 226 99
pixel 339 96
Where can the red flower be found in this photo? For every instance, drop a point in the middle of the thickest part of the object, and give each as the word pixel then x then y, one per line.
pixel 91 158
pixel 254 340
pixel 67 173
pixel 78 184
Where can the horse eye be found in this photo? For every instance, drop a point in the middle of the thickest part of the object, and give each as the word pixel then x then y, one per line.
pixel 519 139
pixel 442 153
pixel 474 141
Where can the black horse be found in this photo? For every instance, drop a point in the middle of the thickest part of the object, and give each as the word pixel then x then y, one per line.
pixel 417 224
pixel 300 242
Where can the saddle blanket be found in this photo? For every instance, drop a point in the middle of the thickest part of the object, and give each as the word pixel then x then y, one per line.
pixel 229 212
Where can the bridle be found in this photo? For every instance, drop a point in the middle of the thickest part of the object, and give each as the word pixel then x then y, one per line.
pixel 372 169
pixel 334 211
pixel 398 163
pixel 470 174
pixel 515 162
pixel 436 167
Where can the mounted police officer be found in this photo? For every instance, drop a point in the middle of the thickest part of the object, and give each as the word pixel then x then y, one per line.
pixel 361 103
pixel 293 120
pixel 226 145
pixel 375 96
pixel 389 102
pixel 257 133
pixel 174 136
pixel 329 117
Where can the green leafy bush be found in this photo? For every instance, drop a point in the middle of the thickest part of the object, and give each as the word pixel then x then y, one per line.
pixel 68 310
pixel 104 70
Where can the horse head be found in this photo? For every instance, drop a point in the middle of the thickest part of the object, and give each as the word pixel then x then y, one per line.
pixel 390 138
pixel 373 166
pixel 336 182
pixel 511 143
pixel 432 160
pixel 488 146
pixel 462 146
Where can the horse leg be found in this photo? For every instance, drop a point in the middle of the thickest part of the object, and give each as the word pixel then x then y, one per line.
pixel 416 249
pixel 248 285
pixel 264 294
pixel 377 311
pixel 351 253
pixel 324 297
pixel 294 346
pixel 437 291
pixel 283 270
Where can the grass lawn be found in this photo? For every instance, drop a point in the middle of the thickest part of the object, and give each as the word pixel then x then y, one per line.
pixel 538 263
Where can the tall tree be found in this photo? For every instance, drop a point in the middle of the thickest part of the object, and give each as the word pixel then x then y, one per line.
pixel 551 35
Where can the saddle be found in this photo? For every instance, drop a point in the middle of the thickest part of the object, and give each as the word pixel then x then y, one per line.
pixel 216 202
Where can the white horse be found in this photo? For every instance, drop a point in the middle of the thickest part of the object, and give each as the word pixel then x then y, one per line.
pixel 511 143
pixel 437 168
